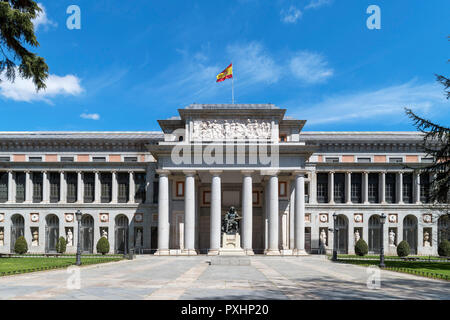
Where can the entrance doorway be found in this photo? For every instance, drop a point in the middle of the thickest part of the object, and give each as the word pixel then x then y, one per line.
pixel 87 234
pixel 51 233
pixel 121 234
pixel 342 234
pixel 374 234
pixel 410 232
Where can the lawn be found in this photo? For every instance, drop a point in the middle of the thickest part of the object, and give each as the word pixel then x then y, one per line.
pixel 29 264
pixel 428 269
pixel 347 256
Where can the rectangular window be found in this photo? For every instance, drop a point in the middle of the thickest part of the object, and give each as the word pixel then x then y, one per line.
pixel 67 159
pixel 364 160
pixel 106 187
pixel 407 188
pixel 322 187
pixel 130 159
pixel 35 159
pixel 390 188
pixel 282 189
pixel 339 187
pixel 99 159
pixel 3 186
pixel 424 188
pixel 89 187
pixel 20 187
pixel 54 178
pixel 179 188
pixel 5 159
pixel 332 160
pixel 37 187
pixel 283 137
pixel 373 188
pixel 123 184
pixel 395 160
pixel 72 185
pixel 139 181
pixel 356 187
pixel 427 160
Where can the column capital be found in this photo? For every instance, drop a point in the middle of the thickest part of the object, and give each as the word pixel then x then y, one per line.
pixel 247 172
pixel 216 172
pixel 331 172
pixel 269 172
pixel 189 173
pixel 299 173
pixel 162 172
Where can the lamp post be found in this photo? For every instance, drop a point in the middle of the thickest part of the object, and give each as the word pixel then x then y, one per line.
pixel 78 215
pixel 334 237
pixel 382 220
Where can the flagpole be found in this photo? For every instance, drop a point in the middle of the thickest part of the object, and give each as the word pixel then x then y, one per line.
pixel 232 90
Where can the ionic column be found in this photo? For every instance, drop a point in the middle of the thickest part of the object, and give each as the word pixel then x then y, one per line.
pixel 331 187
pixel 80 187
pixel 114 187
pixel 399 187
pixel 299 214
pixel 247 212
pixel 348 187
pixel 273 216
pixel 132 187
pixel 365 178
pixel 382 186
pixel 417 188
pixel 313 188
pixel 97 189
pixel 216 218
pixel 163 214
pixel 11 187
pixel 189 213
pixel 28 187
pixel 62 187
pixel 45 187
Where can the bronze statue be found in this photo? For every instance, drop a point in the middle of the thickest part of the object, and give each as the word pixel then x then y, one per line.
pixel 230 223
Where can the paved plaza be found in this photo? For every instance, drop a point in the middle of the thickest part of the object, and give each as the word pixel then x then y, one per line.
pixel 258 277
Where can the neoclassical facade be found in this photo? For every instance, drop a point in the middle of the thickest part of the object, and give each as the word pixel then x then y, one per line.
pixel 167 192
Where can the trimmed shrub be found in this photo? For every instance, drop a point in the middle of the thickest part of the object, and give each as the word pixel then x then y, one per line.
pixel 444 248
pixel 21 245
pixel 361 248
pixel 61 245
pixel 103 246
pixel 403 249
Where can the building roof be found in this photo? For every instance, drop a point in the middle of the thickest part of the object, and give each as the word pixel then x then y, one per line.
pixel 81 135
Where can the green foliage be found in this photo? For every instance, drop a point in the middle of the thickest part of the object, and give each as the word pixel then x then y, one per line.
pixel 16 33
pixel 61 245
pixel 403 249
pixel 21 245
pixel 103 246
pixel 361 248
pixel 444 248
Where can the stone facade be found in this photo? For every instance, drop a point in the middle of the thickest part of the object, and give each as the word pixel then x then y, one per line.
pixel 166 192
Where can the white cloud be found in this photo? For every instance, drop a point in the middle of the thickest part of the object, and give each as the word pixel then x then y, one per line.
pixel 252 64
pixel 291 15
pixel 310 67
pixel 384 105
pixel 24 90
pixel 90 116
pixel 42 20
pixel 315 4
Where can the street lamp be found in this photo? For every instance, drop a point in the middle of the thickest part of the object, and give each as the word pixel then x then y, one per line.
pixel 382 220
pixel 78 215
pixel 334 238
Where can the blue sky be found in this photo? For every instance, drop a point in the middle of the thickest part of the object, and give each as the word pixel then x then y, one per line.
pixel 133 62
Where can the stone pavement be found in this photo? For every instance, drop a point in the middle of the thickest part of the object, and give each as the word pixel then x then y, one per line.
pixel 150 277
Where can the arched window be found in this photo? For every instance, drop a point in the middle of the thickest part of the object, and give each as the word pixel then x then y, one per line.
pixel 444 228
pixel 87 234
pixel 17 229
pixel 374 234
pixel 410 232
pixel 342 234
pixel 51 233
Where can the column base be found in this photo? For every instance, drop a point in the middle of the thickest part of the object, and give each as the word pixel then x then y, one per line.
pixel 213 252
pixel 272 252
pixel 162 252
pixel 188 252
pixel 249 252
pixel 299 252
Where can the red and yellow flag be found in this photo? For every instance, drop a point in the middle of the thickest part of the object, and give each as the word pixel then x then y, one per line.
pixel 225 74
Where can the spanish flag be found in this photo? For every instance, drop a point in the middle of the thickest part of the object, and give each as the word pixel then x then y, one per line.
pixel 225 74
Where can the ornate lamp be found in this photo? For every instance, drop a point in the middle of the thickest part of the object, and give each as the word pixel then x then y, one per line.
pixel 382 220
pixel 78 215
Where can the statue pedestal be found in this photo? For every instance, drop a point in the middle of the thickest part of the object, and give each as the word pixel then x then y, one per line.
pixel 231 245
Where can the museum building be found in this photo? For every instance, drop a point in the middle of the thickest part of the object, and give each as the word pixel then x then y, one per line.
pixel 295 191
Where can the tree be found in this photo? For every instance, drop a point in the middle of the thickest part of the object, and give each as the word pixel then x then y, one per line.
pixel 61 245
pixel 21 245
pixel 103 246
pixel 17 32
pixel 361 248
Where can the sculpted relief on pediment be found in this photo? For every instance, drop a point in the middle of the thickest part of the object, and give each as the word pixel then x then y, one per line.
pixel 214 130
